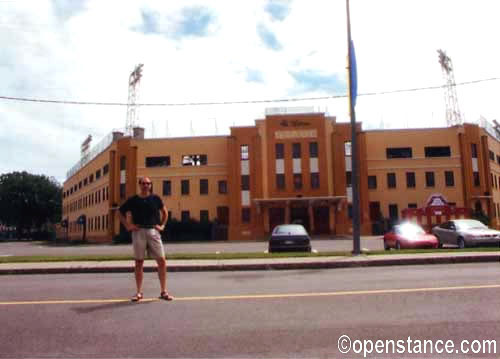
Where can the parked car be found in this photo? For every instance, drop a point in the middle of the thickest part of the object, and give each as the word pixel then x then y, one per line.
pixel 289 237
pixel 465 232
pixel 409 235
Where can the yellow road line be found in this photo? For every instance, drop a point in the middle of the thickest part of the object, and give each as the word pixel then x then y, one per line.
pixel 261 296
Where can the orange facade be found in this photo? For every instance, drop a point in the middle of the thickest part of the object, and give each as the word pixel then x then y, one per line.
pixel 286 168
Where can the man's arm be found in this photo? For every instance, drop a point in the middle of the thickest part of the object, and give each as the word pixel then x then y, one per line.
pixel 163 219
pixel 128 226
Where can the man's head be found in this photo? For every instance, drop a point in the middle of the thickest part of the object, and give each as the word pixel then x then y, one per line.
pixel 145 184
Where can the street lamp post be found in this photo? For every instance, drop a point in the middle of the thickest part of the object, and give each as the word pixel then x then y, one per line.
pixel 352 80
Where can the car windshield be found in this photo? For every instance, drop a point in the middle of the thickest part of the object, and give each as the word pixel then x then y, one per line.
pixel 409 229
pixel 290 230
pixel 470 224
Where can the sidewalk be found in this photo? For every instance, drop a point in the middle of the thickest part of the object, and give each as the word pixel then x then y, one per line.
pixel 252 264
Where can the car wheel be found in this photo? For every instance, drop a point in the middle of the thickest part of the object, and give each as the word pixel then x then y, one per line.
pixel 386 246
pixel 461 243
pixel 440 244
pixel 398 245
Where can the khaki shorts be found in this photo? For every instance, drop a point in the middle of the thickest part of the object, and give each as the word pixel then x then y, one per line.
pixel 147 239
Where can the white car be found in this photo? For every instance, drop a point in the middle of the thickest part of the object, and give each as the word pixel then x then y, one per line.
pixel 465 232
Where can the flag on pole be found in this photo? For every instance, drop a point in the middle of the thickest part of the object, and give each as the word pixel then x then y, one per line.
pixel 353 74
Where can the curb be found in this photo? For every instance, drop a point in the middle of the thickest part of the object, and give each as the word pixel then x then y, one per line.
pixel 352 263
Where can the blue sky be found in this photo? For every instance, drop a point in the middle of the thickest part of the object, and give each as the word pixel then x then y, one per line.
pixel 219 51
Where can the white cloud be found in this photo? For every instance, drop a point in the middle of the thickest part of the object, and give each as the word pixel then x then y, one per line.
pixel 57 50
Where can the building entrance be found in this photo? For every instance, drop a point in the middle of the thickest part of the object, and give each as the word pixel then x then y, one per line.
pixel 300 215
pixel 321 220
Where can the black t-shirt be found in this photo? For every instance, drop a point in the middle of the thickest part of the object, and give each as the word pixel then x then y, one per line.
pixel 144 210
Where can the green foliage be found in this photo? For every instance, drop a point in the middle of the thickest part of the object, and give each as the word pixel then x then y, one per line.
pixel 191 230
pixel 28 201
pixel 480 216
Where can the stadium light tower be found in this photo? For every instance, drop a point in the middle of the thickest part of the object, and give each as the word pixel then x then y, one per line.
pixel 453 115
pixel 133 94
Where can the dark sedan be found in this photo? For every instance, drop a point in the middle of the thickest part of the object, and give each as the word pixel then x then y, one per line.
pixel 291 238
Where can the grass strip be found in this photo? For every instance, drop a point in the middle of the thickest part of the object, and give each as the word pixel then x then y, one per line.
pixel 223 256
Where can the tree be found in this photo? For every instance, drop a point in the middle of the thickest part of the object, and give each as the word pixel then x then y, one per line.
pixel 29 201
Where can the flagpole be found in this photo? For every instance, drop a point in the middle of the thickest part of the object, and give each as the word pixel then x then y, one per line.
pixel 354 148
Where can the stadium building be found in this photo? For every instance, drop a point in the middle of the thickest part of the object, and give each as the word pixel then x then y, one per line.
pixel 288 167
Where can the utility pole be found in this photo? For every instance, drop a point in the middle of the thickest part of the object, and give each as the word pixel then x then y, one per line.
pixel 352 80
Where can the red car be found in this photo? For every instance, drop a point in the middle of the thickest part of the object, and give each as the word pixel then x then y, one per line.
pixel 409 235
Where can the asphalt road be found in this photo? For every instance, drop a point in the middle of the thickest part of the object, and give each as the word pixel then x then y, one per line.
pixel 21 248
pixel 285 314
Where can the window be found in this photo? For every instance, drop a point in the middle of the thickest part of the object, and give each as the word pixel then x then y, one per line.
pixel 204 215
pixel 280 150
pixel 223 215
pixel 347 148
pixel 167 188
pixel 245 215
pixel 105 169
pixel 399 152
pixel 498 159
pixel 194 160
pixel 244 152
pixel 410 180
pixel 97 174
pixel 245 182
pixel 185 216
pixel 122 191
pixel 313 149
pixel 297 181
pixel 160 161
pixel 393 211
pixel 185 187
pixel 391 180
pixel 79 184
pixel 372 182
pixel 429 179
pixel 280 181
pixel 296 150
pixel 449 178
pixel 492 156
pixel 348 179
pixel 315 180
pixel 85 181
pixel 473 149
pixel 123 163
pixel 412 205
pixel 477 183
pixel 437 151
pixel 222 187
pixel 203 186
pixel 91 178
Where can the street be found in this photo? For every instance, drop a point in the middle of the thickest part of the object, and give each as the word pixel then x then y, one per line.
pixel 20 248
pixel 248 314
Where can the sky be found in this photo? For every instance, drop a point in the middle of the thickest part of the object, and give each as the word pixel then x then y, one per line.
pixel 240 56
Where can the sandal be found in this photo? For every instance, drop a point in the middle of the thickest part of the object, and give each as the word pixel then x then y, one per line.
pixel 165 296
pixel 137 297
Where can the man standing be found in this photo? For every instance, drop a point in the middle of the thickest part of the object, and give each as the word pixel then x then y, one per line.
pixel 148 218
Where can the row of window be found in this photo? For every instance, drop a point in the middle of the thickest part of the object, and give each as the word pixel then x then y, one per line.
pixel 407 152
pixel 296 150
pixel 297 181
pixel 411 181
pixel 94 224
pixel 86 181
pixel 89 200
pixel 185 187
pixel 204 215
pixel 186 160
